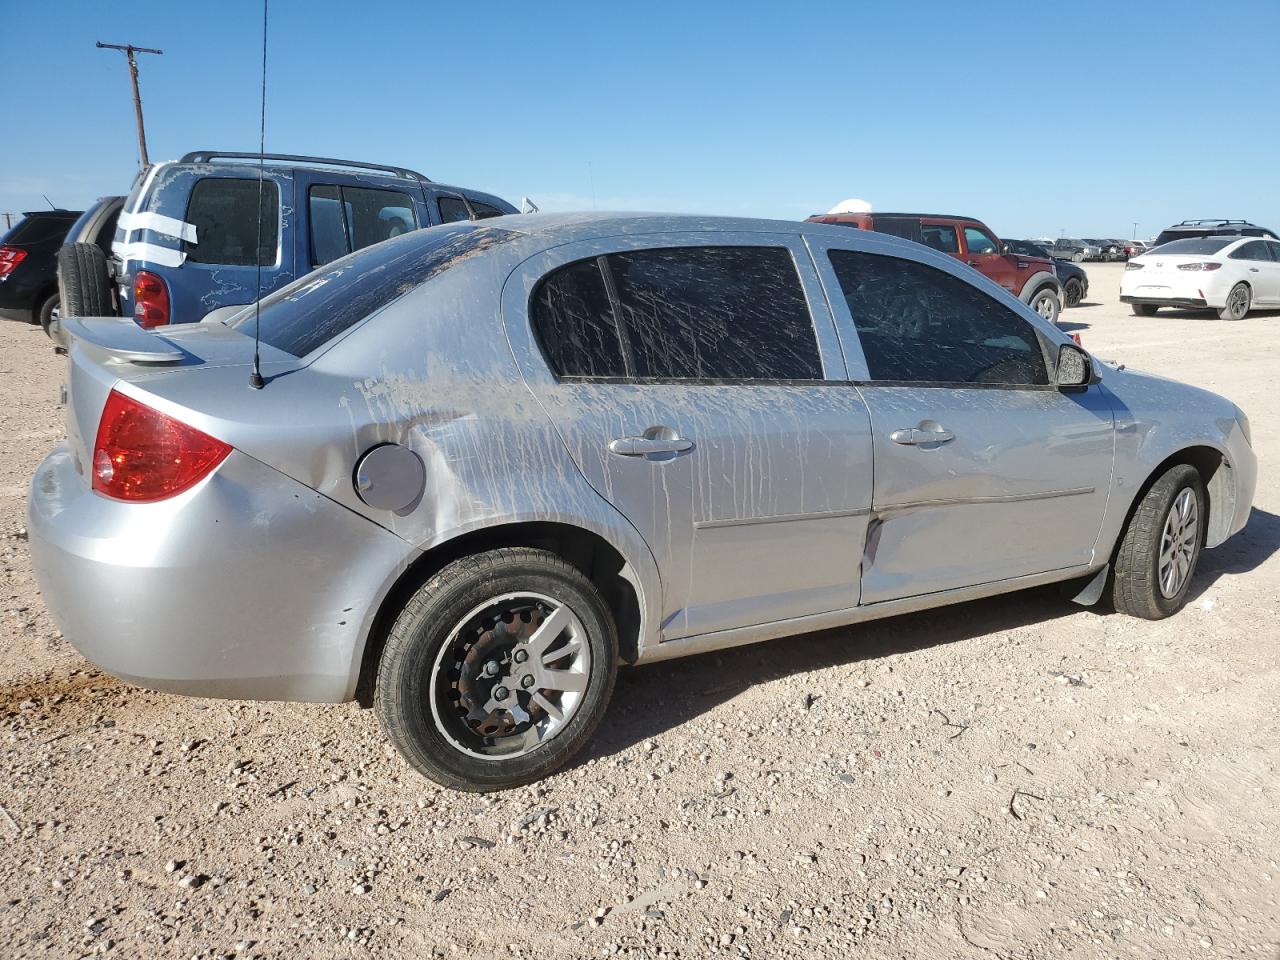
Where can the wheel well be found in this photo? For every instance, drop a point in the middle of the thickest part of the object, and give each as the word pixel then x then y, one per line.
pixel 598 560
pixel 1215 474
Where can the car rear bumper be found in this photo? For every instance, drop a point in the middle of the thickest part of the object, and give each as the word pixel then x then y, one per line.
pixel 250 585
pixel 1189 302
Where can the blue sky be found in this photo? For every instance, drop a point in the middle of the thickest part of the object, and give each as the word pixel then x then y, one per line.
pixel 1075 117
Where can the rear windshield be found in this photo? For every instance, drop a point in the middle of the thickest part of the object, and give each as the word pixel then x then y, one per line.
pixel 1196 246
pixel 39 229
pixel 314 309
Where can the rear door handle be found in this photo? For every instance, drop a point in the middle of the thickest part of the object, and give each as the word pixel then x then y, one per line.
pixel 914 436
pixel 1253 269
pixel 648 446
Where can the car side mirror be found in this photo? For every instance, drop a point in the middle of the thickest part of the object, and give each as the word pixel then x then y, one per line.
pixel 1004 249
pixel 1075 367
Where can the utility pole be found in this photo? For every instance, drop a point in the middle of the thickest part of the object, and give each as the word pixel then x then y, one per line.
pixel 1135 231
pixel 129 50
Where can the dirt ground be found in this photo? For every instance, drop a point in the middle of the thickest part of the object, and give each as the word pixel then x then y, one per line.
pixel 1013 778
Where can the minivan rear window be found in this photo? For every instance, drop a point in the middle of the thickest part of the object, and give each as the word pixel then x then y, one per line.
pixel 314 309
pixel 223 211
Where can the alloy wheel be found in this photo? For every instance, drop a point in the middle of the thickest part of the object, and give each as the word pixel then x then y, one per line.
pixel 1179 542
pixel 510 676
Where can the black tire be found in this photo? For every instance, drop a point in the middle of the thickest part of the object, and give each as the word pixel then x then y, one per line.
pixel 43 313
pixel 1046 303
pixel 83 283
pixel 1145 309
pixel 1239 300
pixel 404 691
pixel 1135 584
pixel 1073 292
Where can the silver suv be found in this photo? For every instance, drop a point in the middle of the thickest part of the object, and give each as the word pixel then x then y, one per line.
pixel 493 461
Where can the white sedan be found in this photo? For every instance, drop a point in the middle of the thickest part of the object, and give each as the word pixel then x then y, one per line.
pixel 1228 274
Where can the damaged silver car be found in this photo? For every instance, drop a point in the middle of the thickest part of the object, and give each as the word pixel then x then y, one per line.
pixel 492 462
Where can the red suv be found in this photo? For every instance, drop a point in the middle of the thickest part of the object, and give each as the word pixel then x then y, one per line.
pixel 1030 279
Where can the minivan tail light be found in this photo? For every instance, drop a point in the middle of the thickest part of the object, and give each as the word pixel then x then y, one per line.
pixel 150 300
pixel 10 257
pixel 143 455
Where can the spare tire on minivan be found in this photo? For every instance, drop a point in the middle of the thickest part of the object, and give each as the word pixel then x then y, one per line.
pixel 84 286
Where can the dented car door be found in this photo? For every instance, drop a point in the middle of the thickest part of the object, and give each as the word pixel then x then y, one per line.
pixel 699 387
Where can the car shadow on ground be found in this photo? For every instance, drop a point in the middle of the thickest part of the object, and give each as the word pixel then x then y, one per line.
pixel 1068 326
pixel 1254 314
pixel 650 700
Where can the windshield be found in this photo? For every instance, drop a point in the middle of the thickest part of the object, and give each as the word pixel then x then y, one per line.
pixel 1195 246
pixel 314 309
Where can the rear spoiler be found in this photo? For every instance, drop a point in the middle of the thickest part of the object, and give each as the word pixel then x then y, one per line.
pixel 120 339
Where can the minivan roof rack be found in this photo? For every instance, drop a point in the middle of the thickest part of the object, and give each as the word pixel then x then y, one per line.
pixel 1200 223
pixel 204 156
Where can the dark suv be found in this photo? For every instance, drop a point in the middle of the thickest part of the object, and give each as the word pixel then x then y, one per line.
pixel 188 240
pixel 1213 228
pixel 28 265
pixel 1030 279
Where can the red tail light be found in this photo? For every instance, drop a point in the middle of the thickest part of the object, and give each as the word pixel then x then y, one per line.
pixel 1200 265
pixel 1076 338
pixel 142 454
pixel 10 257
pixel 150 300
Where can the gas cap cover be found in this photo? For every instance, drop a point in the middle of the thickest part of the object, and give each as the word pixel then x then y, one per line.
pixel 390 477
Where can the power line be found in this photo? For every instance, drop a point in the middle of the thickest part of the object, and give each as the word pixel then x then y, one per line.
pixel 129 50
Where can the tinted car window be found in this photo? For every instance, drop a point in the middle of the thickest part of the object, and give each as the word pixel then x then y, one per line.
pixel 453 209
pixel 1274 247
pixel 940 237
pixel 40 230
pixel 224 213
pixel 377 215
pixel 979 242
pixel 718 313
pixel 328 235
pixel 1253 250
pixel 918 324
pixel 574 322
pixel 484 210
pixel 314 309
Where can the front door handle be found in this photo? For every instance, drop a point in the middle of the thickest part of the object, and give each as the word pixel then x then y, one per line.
pixel 1253 269
pixel 915 436
pixel 656 448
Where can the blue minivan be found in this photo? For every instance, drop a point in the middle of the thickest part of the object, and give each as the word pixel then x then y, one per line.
pixel 189 241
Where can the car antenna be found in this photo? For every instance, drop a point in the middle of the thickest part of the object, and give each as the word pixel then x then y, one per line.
pixel 48 201
pixel 255 378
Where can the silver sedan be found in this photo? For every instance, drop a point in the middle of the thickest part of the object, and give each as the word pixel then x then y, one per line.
pixel 490 463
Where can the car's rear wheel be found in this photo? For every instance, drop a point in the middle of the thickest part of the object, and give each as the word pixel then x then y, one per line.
pixel 1161 546
pixel 1047 304
pixel 84 285
pixel 1239 300
pixel 1073 291
pixel 1145 309
pixel 497 670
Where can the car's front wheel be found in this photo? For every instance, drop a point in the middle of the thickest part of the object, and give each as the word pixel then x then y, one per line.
pixel 45 313
pixel 1239 300
pixel 1161 546
pixel 1047 304
pixel 497 670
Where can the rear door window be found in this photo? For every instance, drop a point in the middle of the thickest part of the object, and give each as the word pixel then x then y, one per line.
pixel 452 209
pixel 224 212
pixel 940 236
pixel 1253 250
pixel 918 324
pixel 484 211
pixel 575 325
pixel 350 218
pixel 715 313
pixel 681 313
